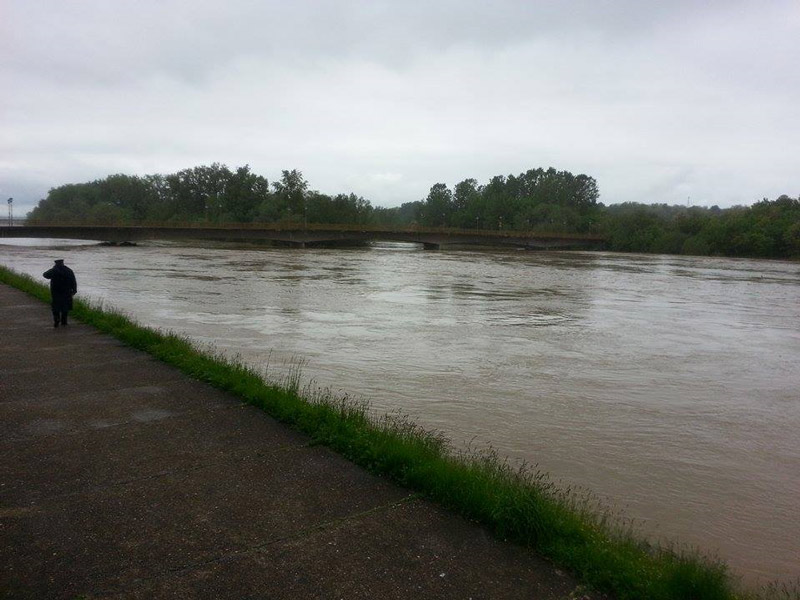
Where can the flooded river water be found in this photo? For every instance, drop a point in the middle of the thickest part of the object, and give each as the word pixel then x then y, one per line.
pixel 670 386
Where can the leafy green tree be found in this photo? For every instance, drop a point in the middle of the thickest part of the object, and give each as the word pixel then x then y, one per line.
pixel 131 195
pixel 791 239
pixel 66 204
pixel 290 194
pixel 543 200
pixel 106 213
pixel 438 207
pixel 466 204
pixel 498 203
pixel 244 192
pixel 407 214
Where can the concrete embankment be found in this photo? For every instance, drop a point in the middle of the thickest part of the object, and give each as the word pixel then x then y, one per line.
pixel 122 477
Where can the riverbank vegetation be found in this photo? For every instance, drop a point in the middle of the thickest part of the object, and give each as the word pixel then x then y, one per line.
pixel 517 504
pixel 539 200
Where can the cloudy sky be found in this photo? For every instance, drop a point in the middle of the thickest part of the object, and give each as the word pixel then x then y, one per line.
pixel 660 101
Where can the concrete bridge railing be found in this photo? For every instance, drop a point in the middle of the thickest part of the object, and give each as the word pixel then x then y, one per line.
pixel 301 236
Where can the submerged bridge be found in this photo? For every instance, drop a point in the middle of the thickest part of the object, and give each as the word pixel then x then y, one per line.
pixel 298 235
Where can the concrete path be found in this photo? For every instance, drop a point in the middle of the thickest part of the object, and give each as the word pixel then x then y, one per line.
pixel 120 477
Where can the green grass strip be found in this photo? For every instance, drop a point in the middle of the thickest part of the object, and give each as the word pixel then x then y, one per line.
pixel 517 504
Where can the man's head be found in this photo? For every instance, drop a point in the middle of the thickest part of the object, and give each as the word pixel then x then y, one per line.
pixel 59 261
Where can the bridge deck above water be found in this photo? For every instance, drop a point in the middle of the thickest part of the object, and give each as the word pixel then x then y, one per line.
pixel 299 235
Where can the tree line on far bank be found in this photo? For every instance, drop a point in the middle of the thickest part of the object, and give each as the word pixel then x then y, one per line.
pixel 539 200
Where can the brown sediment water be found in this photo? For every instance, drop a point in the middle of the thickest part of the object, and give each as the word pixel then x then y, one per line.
pixel 666 385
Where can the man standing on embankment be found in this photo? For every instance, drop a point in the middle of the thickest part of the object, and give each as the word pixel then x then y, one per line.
pixel 63 287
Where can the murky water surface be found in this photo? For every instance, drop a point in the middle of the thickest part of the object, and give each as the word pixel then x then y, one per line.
pixel 668 385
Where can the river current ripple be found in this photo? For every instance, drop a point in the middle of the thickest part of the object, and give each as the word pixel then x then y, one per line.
pixel 669 386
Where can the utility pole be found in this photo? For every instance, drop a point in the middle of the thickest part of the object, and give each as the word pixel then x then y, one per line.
pixel 10 212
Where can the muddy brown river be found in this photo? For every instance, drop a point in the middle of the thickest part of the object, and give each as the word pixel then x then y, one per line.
pixel 669 386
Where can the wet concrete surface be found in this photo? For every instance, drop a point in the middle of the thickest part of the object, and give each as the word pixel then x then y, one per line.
pixel 120 477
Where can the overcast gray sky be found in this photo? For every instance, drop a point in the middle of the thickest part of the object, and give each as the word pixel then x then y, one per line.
pixel 660 101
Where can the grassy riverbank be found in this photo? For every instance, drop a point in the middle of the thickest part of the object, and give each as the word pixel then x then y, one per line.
pixel 516 504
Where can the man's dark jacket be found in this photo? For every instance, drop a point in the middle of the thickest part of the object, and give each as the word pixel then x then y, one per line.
pixel 62 287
